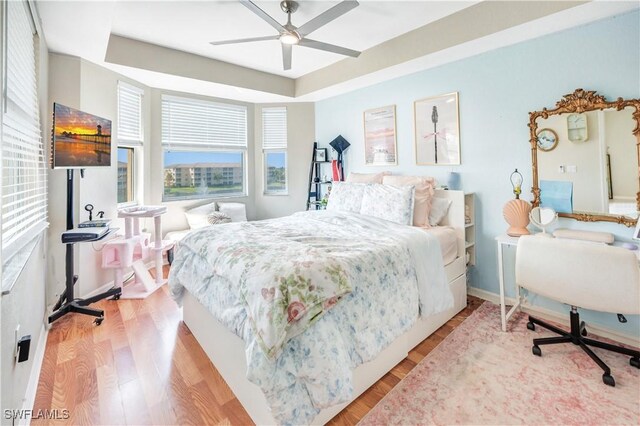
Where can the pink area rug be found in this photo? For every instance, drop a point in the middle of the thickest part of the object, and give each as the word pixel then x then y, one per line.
pixel 480 375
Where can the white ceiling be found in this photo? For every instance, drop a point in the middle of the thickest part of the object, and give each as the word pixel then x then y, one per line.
pixel 190 26
pixel 82 28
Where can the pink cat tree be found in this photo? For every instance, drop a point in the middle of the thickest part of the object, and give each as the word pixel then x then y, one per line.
pixel 135 249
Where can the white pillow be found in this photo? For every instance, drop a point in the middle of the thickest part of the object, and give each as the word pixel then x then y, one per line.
pixel 367 177
pixel 422 199
pixel 236 211
pixel 388 202
pixel 346 196
pixel 439 210
pixel 197 216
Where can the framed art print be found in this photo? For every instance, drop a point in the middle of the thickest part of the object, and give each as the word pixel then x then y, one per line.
pixel 437 131
pixel 321 155
pixel 380 147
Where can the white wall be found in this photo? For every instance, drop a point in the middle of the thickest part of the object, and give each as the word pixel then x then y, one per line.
pixel 300 138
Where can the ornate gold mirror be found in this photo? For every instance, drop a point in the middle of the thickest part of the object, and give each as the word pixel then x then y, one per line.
pixel 585 155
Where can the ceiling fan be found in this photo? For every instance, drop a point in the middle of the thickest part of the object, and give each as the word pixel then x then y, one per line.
pixel 289 34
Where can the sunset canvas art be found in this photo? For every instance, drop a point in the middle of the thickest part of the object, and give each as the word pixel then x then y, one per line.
pixel 80 139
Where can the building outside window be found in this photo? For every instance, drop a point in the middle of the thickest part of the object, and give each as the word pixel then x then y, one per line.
pixel 125 174
pixel 204 148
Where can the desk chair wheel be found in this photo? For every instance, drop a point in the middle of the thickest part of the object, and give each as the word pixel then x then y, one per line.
pixel 536 350
pixel 98 320
pixel 531 326
pixel 608 380
pixel 116 297
pixel 635 362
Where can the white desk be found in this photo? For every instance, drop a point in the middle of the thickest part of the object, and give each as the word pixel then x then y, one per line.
pixel 505 240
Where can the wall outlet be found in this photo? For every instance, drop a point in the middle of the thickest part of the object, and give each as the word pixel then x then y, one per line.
pixel 572 169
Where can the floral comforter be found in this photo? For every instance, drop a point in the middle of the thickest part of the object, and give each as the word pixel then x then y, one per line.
pixel 313 295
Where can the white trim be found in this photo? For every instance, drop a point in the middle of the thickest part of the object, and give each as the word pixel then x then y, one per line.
pixel 554 316
pixel 34 378
pixel 14 264
pixel 135 175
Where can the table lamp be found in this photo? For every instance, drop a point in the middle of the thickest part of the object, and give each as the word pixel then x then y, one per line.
pixel 516 212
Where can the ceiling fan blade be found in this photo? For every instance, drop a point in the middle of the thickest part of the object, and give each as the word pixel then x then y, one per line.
pixel 262 14
pixel 244 40
pixel 286 56
pixel 327 16
pixel 328 47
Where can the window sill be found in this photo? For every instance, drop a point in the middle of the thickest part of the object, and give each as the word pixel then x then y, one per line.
pixel 275 194
pixel 196 198
pixel 17 262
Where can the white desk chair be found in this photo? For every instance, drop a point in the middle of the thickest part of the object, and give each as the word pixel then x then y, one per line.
pixel 587 275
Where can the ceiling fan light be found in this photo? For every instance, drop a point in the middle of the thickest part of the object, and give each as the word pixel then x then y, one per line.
pixel 289 38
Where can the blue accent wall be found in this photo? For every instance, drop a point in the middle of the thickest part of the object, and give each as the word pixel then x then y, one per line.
pixel 497 89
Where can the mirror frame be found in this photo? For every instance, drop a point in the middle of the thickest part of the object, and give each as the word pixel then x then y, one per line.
pixel 578 102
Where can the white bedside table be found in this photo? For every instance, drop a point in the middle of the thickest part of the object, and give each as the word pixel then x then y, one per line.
pixel 505 240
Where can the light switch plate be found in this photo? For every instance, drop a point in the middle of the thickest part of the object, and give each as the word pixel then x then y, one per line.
pixel 572 169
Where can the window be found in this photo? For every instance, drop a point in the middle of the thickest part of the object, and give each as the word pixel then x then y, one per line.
pixel 274 147
pixel 24 185
pixel 130 139
pixel 125 174
pixel 205 145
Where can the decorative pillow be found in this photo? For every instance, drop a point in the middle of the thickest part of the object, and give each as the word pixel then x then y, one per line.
pixel 439 210
pixel 216 218
pixel 388 202
pixel 197 216
pixel 236 211
pixel 367 177
pixel 346 196
pixel 425 188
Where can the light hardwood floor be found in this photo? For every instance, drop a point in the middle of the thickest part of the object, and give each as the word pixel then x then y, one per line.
pixel 143 366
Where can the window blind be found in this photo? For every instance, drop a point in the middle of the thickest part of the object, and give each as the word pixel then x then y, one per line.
pixel 274 128
pixel 24 200
pixel 129 113
pixel 193 123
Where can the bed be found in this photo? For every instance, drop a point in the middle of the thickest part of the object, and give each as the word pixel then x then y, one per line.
pixel 308 373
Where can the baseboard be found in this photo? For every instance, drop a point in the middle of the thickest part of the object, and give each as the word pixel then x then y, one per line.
pixel 34 378
pixel 554 316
